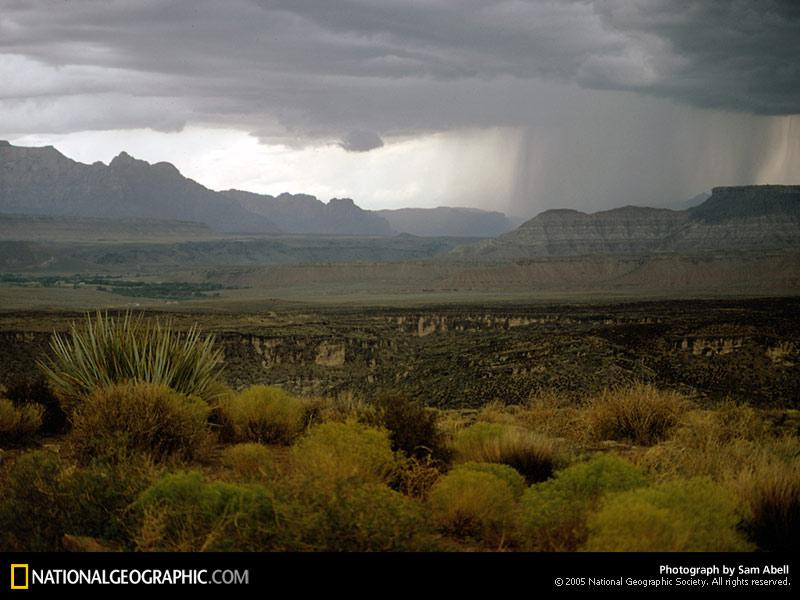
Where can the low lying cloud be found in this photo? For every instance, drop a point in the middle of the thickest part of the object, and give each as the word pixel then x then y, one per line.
pixel 361 141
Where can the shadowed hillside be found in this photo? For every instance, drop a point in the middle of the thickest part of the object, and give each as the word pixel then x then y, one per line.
pixel 733 218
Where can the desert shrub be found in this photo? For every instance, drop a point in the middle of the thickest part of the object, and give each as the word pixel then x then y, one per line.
pixel 515 481
pixel 533 456
pixel 772 503
pixel 262 414
pixel 45 497
pixel 121 419
pixel 183 512
pixel 495 411
pixel 415 476
pixel 344 407
pixel 721 444
pixel 552 414
pixel 333 452
pixel 36 391
pixel 107 350
pixel 18 423
pixel 474 505
pixel 248 462
pixel 362 517
pixel 641 414
pixel 413 428
pixel 693 515
pixel 554 512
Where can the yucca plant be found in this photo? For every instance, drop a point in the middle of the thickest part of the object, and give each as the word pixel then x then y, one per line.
pixel 105 350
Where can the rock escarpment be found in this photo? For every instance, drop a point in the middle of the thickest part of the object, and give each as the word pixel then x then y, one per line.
pixel 731 219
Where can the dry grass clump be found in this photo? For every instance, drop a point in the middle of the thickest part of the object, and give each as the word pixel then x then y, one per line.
pixel 722 444
pixel 533 456
pixel 19 423
pixel 344 407
pixel 772 501
pixel 106 350
pixel 641 414
pixel 497 412
pixel 262 414
pixel 553 415
pixel 127 418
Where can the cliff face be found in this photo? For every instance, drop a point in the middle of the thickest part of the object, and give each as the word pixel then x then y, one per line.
pixel 42 181
pixel 733 218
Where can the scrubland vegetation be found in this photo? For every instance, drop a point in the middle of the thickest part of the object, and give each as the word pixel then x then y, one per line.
pixel 157 454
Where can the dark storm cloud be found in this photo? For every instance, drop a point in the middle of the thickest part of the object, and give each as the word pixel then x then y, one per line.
pixel 361 141
pixel 315 68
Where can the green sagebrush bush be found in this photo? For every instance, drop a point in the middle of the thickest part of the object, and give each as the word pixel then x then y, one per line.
pixel 514 480
pixel 183 512
pixel 249 462
pixel 474 505
pixel 118 420
pixel 107 350
pixel 263 414
pixel 18 424
pixel 45 497
pixel 554 513
pixel 693 515
pixel 357 517
pixel 640 413
pixel 332 452
pixel 336 495
pixel 532 455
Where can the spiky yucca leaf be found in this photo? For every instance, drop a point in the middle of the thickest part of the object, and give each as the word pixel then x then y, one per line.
pixel 106 350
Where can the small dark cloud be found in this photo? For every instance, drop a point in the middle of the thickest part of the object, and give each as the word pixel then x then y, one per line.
pixel 361 141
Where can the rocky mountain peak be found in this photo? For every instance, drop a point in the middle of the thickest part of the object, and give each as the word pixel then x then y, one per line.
pixel 342 204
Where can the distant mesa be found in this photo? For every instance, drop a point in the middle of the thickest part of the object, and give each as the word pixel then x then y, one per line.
pixel 765 217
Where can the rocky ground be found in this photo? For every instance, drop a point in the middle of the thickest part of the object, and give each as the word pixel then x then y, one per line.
pixel 466 356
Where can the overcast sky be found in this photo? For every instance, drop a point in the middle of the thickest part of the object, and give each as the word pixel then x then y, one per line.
pixel 512 105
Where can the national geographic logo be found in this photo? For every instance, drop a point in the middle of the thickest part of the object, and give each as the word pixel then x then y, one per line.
pixel 19 576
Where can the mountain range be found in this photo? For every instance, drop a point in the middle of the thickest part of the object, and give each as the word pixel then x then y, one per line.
pixel 752 218
pixel 44 182
pixel 52 191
